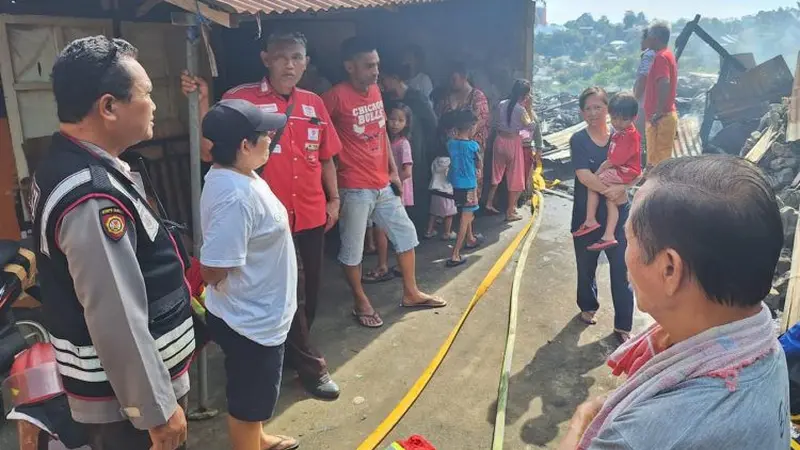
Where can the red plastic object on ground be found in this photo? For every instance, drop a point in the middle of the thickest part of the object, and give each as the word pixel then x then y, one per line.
pixel 417 442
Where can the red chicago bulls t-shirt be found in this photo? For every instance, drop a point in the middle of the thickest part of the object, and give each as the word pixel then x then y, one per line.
pixel 361 124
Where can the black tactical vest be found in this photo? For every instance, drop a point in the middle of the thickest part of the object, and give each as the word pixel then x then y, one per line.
pixel 67 176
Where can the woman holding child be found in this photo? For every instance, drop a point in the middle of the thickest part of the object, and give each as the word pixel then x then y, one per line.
pixel 590 149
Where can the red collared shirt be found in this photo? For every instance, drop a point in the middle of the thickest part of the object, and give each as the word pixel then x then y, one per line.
pixel 294 169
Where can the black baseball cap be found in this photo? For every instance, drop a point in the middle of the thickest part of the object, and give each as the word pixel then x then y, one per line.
pixel 230 121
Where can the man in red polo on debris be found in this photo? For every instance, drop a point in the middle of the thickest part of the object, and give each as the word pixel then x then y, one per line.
pixel 300 172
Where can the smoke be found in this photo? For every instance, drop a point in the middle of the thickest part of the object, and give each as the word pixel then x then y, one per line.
pixel 765 35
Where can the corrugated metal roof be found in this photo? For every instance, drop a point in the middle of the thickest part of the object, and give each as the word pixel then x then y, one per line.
pixel 687 143
pixel 294 6
pixel 560 140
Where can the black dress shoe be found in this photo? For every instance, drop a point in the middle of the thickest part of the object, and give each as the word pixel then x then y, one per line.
pixel 324 387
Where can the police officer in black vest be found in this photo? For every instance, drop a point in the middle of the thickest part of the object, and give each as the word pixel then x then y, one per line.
pixel 112 280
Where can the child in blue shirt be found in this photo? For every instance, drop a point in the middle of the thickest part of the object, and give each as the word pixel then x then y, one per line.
pixel 465 165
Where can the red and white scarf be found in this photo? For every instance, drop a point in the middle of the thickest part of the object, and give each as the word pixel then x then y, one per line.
pixel 652 366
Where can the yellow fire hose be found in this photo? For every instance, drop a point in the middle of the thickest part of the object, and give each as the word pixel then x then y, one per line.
pixel 537 203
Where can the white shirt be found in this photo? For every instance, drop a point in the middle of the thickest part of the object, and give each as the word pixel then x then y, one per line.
pixel 246 227
pixel 439 181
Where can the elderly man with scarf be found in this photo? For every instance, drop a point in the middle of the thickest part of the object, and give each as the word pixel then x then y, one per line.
pixel 704 236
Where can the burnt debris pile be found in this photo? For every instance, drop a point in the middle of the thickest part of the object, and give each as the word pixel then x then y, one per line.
pixel 776 150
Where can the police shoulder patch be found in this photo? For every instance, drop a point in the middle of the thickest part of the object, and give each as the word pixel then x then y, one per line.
pixel 113 222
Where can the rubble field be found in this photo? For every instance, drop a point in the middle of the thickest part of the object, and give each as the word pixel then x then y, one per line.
pixel 781 164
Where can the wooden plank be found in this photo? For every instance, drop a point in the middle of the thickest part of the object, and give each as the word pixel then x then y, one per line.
pixel 793 124
pixel 9 228
pixel 12 103
pixel 760 149
pixel 791 309
pixel 33 86
pixel 216 16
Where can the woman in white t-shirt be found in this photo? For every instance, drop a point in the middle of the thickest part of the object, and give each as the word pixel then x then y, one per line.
pixel 248 260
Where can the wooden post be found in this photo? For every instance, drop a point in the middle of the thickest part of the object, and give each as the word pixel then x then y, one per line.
pixel 193 36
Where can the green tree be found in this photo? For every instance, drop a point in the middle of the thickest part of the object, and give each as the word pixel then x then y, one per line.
pixel 629 21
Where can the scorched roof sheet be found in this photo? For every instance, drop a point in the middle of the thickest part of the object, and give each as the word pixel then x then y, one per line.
pixel 293 6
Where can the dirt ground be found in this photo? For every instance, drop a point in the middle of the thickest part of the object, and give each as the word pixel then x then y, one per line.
pixel 558 362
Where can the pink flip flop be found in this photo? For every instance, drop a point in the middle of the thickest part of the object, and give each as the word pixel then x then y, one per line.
pixel 601 245
pixel 583 230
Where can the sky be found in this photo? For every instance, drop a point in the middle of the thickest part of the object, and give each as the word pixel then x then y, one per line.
pixel 560 11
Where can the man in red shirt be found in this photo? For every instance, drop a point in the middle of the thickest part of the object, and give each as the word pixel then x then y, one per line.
pixel 300 172
pixel 368 180
pixel 659 100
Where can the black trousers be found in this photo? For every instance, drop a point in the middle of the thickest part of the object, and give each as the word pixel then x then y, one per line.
pixel 300 354
pixel 122 435
pixel 621 293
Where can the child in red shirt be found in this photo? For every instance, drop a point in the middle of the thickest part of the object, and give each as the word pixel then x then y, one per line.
pixel 623 166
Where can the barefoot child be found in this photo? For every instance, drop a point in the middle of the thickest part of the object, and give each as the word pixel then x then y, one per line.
pixel 399 127
pixel 463 175
pixel 443 207
pixel 623 166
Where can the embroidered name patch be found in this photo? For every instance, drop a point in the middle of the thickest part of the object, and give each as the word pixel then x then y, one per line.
pixel 113 222
pixel 309 111
pixel 270 108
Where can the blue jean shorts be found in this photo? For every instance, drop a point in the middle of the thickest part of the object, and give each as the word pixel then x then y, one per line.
pixel 385 209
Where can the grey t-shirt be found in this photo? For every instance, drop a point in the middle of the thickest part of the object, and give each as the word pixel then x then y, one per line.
pixel 702 414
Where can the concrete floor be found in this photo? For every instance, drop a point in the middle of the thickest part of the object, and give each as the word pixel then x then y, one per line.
pixel 558 363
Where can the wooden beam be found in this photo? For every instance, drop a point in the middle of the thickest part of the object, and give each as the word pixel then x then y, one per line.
pixel 683 38
pixel 791 308
pixel 214 15
pixel 793 124
pixel 145 7
pixel 760 149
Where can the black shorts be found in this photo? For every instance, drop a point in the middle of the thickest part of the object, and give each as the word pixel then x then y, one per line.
pixel 252 372
pixel 466 199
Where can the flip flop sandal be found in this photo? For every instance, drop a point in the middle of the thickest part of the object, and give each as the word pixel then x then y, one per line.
pixel 476 244
pixel 584 230
pixel 432 303
pixel 285 443
pixel 622 336
pixel 429 235
pixel 491 211
pixel 454 263
pixel 514 218
pixel 378 322
pixel 601 245
pixel 587 317
pixel 373 277
pixel 396 272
